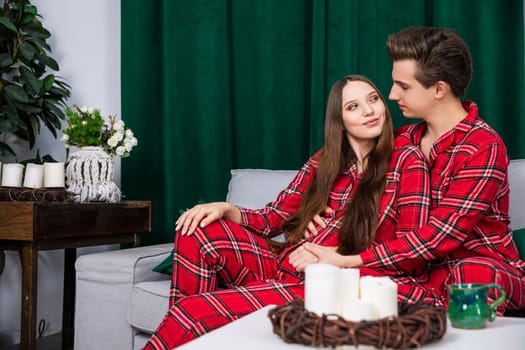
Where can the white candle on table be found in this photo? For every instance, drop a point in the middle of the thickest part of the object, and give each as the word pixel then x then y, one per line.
pixel 380 292
pixel 321 289
pixel 349 285
pixel 358 310
pixel 54 175
pixel 12 175
pixel 34 175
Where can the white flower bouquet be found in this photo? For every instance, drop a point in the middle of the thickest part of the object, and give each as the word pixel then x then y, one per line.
pixel 85 127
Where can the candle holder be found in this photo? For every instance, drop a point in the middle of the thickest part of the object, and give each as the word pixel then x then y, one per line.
pixel 416 325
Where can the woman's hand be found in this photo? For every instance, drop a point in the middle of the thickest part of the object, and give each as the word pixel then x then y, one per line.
pixel 304 256
pixel 202 215
pixel 310 253
pixel 300 258
pixel 311 229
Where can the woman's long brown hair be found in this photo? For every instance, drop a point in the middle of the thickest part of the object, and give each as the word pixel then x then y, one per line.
pixel 361 213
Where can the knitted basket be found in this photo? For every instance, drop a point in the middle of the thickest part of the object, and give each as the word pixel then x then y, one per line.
pixel 89 175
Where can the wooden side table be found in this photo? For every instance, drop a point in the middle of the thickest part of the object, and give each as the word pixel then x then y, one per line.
pixel 31 226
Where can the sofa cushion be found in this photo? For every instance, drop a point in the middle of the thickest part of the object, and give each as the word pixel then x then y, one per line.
pixel 149 302
pixel 517 198
pixel 517 193
pixel 254 188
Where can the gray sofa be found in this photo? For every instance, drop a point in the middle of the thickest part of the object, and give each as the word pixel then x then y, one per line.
pixel 120 300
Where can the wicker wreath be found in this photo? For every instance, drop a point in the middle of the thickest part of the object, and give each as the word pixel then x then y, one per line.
pixel 35 195
pixel 417 324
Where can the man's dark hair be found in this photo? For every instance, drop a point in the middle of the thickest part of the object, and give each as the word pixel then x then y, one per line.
pixel 440 54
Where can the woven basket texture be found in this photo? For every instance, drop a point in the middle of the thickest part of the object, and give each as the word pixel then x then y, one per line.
pixel 35 195
pixel 416 325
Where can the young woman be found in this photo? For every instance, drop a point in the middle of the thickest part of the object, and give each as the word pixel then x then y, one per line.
pixel 467 238
pixel 224 266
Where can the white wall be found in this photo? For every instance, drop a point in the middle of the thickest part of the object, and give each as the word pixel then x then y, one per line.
pixel 86 43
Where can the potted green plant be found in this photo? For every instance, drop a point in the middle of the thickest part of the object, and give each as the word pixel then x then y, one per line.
pixel 90 169
pixel 30 96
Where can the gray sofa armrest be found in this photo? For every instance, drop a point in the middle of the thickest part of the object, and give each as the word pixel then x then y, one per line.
pixel 132 265
pixel 104 284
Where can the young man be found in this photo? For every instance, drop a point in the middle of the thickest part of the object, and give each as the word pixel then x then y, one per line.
pixel 467 238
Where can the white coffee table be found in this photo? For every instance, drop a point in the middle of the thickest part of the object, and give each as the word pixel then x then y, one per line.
pixel 254 332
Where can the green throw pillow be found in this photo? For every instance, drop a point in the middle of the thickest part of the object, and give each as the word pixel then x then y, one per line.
pixel 519 239
pixel 166 266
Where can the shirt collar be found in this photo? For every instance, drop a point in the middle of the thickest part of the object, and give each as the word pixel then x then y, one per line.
pixel 454 135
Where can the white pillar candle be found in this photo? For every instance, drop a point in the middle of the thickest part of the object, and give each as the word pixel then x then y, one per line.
pixel 12 175
pixel 54 175
pixel 382 293
pixel 321 289
pixel 358 310
pixel 34 175
pixel 349 285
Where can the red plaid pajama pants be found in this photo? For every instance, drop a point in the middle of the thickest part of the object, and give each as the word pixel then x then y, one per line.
pixel 222 255
pixel 482 270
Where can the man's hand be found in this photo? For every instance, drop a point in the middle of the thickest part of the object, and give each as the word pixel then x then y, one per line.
pixel 311 229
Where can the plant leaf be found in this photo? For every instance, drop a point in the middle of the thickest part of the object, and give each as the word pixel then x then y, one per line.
pixel 5 60
pixel 52 127
pixel 51 63
pixel 36 32
pixel 28 108
pixel 54 110
pixel 5 150
pixel 27 50
pixel 47 83
pixel 16 93
pixel 59 91
pixel 28 8
pixel 29 79
pixel 34 130
pixel 42 44
pixel 30 13
pixel 12 112
pixel 8 24
pixel 35 64
pixel 6 125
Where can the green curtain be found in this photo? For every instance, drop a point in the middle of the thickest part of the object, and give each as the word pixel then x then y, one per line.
pixel 212 85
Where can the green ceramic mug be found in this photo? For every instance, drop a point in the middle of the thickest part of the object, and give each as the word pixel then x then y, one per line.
pixel 468 306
